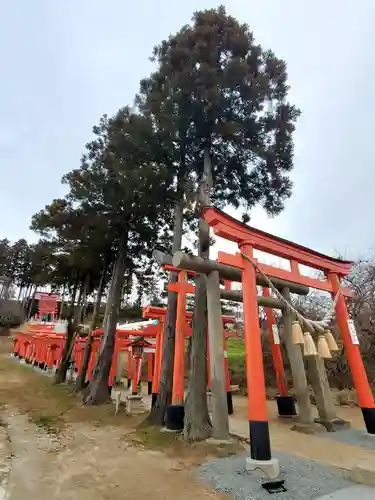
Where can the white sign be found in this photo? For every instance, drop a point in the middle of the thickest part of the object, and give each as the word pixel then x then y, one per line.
pixel 275 333
pixel 352 331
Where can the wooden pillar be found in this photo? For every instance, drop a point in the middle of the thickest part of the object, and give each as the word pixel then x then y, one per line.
pixel 260 448
pixel 135 379
pixel 208 365
pixel 220 422
pixel 350 340
pixel 157 364
pixel 130 363
pixel 316 374
pixel 227 378
pixel 149 373
pixel 297 366
pixel 179 352
pixel 275 349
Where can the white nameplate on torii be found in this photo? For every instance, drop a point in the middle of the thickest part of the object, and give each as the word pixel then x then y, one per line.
pixel 353 332
pixel 275 333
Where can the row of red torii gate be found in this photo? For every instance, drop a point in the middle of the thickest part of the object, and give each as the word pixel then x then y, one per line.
pixel 243 267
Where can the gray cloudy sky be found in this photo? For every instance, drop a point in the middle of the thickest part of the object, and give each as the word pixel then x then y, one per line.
pixel 66 62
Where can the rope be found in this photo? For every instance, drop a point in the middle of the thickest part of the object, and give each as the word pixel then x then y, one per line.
pixel 318 326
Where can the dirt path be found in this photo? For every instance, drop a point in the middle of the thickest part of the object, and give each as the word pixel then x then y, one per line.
pixel 51 448
pixel 92 462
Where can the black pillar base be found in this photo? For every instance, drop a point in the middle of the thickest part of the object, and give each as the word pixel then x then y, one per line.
pixel 134 393
pixel 149 387
pixel 230 403
pixel 109 389
pixel 260 447
pixel 129 382
pixel 175 416
pixel 41 366
pixel 369 418
pixel 154 397
pixel 286 406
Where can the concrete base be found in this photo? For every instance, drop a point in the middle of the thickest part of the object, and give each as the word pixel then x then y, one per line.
pixel 268 468
pixel 173 431
pixel 364 473
pixel 135 405
pixel 218 442
pixel 336 424
pixel 307 428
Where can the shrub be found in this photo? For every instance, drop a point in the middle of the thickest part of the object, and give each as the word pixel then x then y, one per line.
pixel 10 320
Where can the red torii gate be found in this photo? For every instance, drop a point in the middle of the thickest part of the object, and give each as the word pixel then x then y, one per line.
pixel 248 239
pixel 47 304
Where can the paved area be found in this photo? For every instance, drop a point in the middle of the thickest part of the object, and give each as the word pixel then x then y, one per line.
pixel 354 437
pixel 351 493
pixel 304 480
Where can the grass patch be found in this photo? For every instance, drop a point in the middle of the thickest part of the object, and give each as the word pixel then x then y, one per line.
pixel 235 348
pixel 154 438
pixel 49 423
pixel 49 406
pixel 173 444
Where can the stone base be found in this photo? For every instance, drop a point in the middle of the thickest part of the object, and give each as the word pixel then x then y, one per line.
pixel 218 442
pixel 336 424
pixel 364 473
pixel 135 405
pixel 307 428
pixel 174 418
pixel 269 468
pixel 369 418
pixel 286 406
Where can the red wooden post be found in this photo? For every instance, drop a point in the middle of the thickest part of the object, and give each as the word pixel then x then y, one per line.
pixel 227 379
pixel 149 373
pixel 130 364
pixel 260 448
pixel 182 287
pixel 157 364
pixel 275 348
pixel 137 360
pixel 362 386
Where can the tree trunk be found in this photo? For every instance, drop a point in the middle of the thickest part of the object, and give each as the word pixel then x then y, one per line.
pixel 98 390
pixel 197 420
pixel 300 387
pixel 25 298
pixel 81 379
pixel 62 303
pixel 82 300
pixel 108 305
pixel 60 374
pixel 30 309
pixel 220 422
pixel 164 397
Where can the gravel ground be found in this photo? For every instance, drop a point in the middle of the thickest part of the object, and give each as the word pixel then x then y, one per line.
pixel 355 437
pixel 304 479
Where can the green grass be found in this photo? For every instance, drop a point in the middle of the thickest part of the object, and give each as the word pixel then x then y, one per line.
pixel 236 348
pixel 236 359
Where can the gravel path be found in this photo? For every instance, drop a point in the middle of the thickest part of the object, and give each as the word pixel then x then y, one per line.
pixel 304 479
pixel 354 437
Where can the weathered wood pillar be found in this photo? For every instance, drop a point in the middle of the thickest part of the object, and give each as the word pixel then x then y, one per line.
pixel 317 377
pixel 220 422
pixel 297 366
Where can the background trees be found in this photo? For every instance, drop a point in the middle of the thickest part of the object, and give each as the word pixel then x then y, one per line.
pixel 222 101
pixel 212 125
